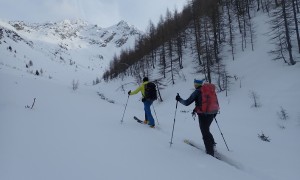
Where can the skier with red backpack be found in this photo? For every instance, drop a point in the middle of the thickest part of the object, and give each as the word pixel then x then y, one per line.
pixel 207 107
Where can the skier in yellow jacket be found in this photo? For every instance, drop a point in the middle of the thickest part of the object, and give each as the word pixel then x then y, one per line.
pixel 147 103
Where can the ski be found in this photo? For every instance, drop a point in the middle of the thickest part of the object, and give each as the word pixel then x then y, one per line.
pixel 138 120
pixel 191 143
pixel 218 155
pixel 142 122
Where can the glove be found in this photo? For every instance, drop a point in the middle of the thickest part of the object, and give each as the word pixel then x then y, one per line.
pixel 194 114
pixel 129 92
pixel 178 97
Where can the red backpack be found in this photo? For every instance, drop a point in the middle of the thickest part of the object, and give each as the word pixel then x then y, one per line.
pixel 209 104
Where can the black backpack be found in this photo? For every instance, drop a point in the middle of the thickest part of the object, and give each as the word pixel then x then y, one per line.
pixel 150 91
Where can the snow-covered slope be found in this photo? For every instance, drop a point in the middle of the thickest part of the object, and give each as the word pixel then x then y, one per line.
pixel 78 135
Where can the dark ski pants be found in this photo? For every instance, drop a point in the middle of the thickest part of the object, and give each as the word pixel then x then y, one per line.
pixel 148 115
pixel 208 139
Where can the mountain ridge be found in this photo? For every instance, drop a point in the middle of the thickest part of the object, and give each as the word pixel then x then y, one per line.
pixel 68 41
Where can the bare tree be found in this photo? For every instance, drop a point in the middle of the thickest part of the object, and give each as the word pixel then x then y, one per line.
pixel 231 27
pixel 195 9
pixel 178 37
pixel 282 114
pixel 152 32
pixel 207 53
pixel 254 96
pixel 296 23
pixel 75 85
pixel 287 31
pixel 281 32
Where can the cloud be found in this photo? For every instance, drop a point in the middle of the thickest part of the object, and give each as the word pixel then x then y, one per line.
pixel 142 12
pixel 61 8
pixel 103 13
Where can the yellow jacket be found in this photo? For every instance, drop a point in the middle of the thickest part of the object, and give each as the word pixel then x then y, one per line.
pixel 140 88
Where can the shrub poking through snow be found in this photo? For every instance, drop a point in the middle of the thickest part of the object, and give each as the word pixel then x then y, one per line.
pixel 75 85
pixel 263 137
pixel 282 114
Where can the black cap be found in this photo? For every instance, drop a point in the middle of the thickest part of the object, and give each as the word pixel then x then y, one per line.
pixel 145 79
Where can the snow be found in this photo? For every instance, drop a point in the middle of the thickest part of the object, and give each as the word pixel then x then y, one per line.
pixel 78 135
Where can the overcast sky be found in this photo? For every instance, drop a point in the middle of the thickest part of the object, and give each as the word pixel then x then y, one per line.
pixel 101 12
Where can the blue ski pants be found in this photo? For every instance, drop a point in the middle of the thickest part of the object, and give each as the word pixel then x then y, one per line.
pixel 148 115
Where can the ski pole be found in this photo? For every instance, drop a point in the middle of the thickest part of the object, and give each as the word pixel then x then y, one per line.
pixel 125 109
pixel 171 142
pixel 155 114
pixel 221 133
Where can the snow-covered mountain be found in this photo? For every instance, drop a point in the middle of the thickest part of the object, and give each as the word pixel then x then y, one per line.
pixel 73 43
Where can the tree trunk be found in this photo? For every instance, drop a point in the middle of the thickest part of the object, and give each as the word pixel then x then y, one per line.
pixel 276 3
pixel 230 29
pixel 208 56
pixel 297 5
pixel 171 60
pixel 287 33
pixel 258 6
pixel 197 33
pixel 296 24
pixel 214 24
